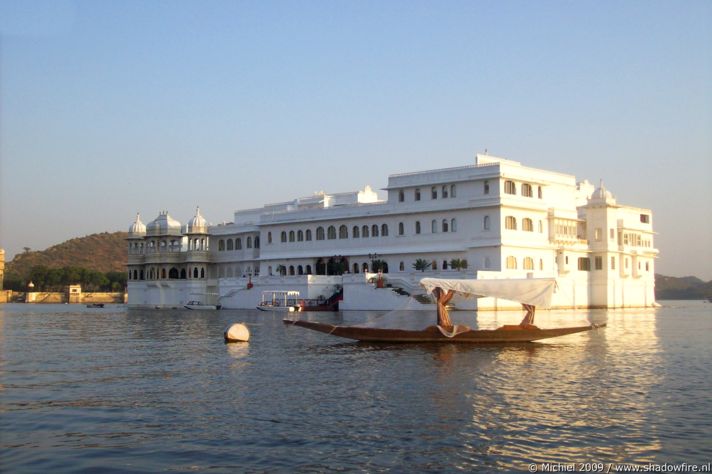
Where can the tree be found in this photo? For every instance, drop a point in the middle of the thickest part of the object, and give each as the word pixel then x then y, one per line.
pixel 421 264
pixel 458 264
pixel 378 266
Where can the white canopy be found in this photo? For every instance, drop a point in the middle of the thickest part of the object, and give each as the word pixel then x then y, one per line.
pixel 533 291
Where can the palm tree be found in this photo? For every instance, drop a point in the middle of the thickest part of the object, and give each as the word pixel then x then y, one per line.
pixel 458 264
pixel 421 264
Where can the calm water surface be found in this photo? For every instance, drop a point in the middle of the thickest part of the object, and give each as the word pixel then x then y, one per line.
pixel 144 391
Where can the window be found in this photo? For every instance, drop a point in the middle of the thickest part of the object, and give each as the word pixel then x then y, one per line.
pixel 331 232
pixel 527 190
pixel 355 233
pixel 444 264
pixel 300 236
pixel 269 237
pixel 343 232
pixel 645 218
pixel 319 233
pixel 238 244
pixel 221 245
pixel 309 270
pixel 257 241
pixel 434 226
pixel 584 264
pixel 510 223
pixel 613 263
pixel 597 234
pixel 417 227
pixel 308 235
pixel 487 187
pixel 528 263
pixel 486 223
pixel 355 267
pixel 613 234
pixel 598 262
pixel 434 192
pixel 452 191
pixel 434 265
pixel 444 191
pixel 401 196
pixel 541 227
pixel 283 236
pixel 510 187
pixel 453 225
pixel 446 226
pixel 384 230
pixel 230 244
pixel 292 236
pixel 364 231
pixel 401 228
pixel 511 263
pixel 527 225
pixel 401 267
pixel 417 194
pixel 249 242
pixel 539 192
pixel 374 230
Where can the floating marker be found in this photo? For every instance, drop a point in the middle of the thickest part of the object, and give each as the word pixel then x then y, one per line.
pixel 238 332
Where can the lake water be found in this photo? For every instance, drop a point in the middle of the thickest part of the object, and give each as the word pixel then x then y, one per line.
pixel 143 391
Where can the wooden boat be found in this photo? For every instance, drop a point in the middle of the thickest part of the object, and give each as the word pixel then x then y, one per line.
pixel 95 305
pixel 504 334
pixel 529 292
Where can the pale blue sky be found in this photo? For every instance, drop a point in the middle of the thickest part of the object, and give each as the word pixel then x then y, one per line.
pixel 108 108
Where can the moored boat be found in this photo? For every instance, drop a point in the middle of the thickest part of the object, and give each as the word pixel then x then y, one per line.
pixel 95 305
pixel 200 305
pixel 287 301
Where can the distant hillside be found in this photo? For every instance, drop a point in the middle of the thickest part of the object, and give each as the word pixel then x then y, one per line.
pixel 684 288
pixel 103 252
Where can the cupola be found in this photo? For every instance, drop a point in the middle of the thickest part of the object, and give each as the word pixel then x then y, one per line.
pixel 163 225
pixel 138 228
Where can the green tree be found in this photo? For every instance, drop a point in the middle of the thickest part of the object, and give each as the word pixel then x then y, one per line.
pixel 422 264
pixel 458 264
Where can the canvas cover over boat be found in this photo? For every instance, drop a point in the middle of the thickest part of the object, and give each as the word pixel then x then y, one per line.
pixel 532 291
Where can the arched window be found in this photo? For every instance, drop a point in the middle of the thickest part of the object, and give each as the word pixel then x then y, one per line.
pixel 527 225
pixel 446 226
pixel 364 231
pixel 510 187
pixel 384 230
pixel 444 264
pixel 182 274
pixel 511 263
pixel 221 245
pixel 309 270
pixel 300 270
pixel 486 187
pixel 319 233
pixel 527 190
pixel 445 193
pixel 331 232
pixel 249 242
pixel 417 227
pixel 269 237
pixel 173 273
pixel 510 222
pixel 300 235
pixel 401 228
pixel 257 241
pixel 434 192
pixel 417 194
pixel 292 237
pixel 434 226
pixel 453 190
pixel 229 244
pixel 355 232
pixel 355 267
pixel 343 232
pixel 401 196
pixel 486 223
pixel 202 273
pixel 401 267
pixel 238 243
pixel 364 267
pixel 195 272
pixel 453 225
pixel 308 235
pixel 528 263
pixel 135 274
pixel 283 236
pixel 374 230
pixel 434 265
pixel 140 277
pixel 291 270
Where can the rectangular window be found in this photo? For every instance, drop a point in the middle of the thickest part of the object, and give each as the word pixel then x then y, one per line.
pixel 487 187
pixel 597 234
pixel 613 263
pixel 417 194
pixel 613 234
pixel 645 218
pixel 584 264
pixel 598 261
pixel 434 193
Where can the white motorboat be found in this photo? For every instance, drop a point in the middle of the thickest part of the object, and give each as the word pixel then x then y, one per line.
pixel 200 305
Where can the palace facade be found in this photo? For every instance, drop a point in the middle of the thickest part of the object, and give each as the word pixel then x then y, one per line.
pixel 493 219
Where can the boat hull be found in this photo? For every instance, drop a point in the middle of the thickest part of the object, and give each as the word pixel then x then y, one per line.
pixel 433 334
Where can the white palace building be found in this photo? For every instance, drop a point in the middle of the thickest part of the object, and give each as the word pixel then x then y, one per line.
pixel 493 219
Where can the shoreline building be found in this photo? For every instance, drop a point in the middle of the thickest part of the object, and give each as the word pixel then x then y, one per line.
pixel 493 219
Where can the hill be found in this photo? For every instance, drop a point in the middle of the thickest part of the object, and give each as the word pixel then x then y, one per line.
pixel 105 252
pixel 684 288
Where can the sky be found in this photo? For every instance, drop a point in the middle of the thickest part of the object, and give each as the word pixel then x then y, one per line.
pixel 108 108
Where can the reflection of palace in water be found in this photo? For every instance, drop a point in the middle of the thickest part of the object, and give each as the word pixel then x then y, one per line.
pixel 493 219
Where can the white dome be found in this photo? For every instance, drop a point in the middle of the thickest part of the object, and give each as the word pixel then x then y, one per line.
pixel 163 225
pixel 601 194
pixel 138 228
pixel 197 225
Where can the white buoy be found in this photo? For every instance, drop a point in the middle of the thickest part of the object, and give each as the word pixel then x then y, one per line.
pixel 238 332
